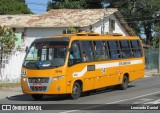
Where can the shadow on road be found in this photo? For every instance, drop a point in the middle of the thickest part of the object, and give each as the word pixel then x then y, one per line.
pixel 26 97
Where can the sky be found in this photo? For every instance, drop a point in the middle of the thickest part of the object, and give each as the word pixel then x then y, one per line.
pixel 37 6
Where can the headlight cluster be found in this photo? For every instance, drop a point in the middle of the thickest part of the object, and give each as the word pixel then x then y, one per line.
pixel 57 78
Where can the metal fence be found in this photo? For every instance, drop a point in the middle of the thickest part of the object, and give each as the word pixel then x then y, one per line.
pixel 151 58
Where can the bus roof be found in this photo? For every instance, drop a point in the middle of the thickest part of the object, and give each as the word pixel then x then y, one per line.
pixel 89 36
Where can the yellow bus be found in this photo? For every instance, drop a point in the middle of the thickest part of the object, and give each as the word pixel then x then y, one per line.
pixel 76 63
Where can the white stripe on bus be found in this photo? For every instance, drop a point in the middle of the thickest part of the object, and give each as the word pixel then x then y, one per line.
pixel 107 65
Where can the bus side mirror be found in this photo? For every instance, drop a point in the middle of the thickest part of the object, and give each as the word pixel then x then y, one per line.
pixel 26 50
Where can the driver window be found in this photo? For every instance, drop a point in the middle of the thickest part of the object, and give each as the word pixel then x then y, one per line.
pixel 75 54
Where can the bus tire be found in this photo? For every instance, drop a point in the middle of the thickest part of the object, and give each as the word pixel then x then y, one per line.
pixel 37 96
pixel 124 84
pixel 76 91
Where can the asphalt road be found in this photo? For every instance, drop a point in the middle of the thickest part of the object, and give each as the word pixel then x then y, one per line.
pixel 141 94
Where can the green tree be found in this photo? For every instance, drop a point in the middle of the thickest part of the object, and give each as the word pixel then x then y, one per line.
pixel 140 15
pixel 73 4
pixel 14 7
pixel 156 37
pixel 7 41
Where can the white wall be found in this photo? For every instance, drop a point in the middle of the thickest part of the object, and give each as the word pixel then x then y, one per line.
pixel 97 27
pixel 41 32
pixel 33 33
pixel 12 71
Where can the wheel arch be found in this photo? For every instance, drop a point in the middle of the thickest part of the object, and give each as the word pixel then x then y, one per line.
pixel 80 83
pixel 127 75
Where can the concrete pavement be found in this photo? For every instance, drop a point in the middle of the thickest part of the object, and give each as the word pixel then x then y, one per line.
pixel 8 92
pixel 151 72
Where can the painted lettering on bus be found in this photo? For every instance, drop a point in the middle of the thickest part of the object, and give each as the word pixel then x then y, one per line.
pixel 124 63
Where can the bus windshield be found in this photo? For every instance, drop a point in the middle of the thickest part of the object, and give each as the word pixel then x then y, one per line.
pixel 42 55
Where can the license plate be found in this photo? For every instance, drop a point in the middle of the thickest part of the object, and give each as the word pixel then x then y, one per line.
pixel 37 85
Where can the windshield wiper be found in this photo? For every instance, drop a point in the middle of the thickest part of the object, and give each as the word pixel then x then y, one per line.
pixel 56 65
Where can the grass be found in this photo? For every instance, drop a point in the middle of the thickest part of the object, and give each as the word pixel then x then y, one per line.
pixel 9 85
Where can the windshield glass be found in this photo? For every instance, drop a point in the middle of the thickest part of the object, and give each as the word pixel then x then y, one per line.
pixel 46 55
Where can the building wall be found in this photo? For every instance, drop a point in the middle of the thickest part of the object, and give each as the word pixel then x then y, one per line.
pixel 11 71
pixel 33 33
pixel 30 34
pixel 98 27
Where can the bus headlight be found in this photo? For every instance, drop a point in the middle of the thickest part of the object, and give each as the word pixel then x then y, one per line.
pixel 57 78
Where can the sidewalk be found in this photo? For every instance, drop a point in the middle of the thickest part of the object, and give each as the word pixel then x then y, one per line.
pixel 152 72
pixel 8 92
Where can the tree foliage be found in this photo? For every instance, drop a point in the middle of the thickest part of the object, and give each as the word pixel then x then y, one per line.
pixel 74 4
pixel 7 40
pixel 14 7
pixel 141 15
pixel 155 41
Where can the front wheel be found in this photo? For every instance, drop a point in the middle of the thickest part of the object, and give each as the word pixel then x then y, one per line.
pixel 37 97
pixel 76 91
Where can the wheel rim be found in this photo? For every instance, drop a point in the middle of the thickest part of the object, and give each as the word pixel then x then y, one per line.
pixel 75 91
pixel 125 82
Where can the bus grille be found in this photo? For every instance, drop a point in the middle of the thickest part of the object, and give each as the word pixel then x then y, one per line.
pixel 38 80
pixel 39 84
pixel 43 88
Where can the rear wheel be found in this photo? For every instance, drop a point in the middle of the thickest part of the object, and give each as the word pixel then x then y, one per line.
pixel 76 91
pixel 124 84
pixel 37 97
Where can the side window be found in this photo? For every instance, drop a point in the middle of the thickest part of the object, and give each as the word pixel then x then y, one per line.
pixel 33 54
pixel 114 49
pixel 99 50
pixel 87 51
pixel 125 49
pixel 136 48
pixel 75 54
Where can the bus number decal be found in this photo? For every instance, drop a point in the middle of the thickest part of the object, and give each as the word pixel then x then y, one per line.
pixel 103 70
pixel 58 71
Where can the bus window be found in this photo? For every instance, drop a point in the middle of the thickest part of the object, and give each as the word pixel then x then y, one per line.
pixel 105 49
pixel 125 49
pixel 75 54
pixel 114 49
pixel 136 48
pixel 99 51
pixel 87 51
